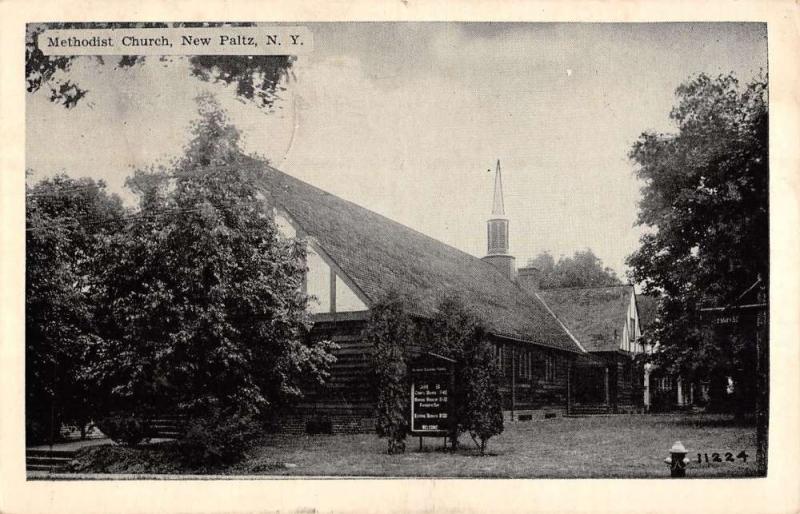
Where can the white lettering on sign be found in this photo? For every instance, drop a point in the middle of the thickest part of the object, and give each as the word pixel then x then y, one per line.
pixel 726 320
pixel 429 402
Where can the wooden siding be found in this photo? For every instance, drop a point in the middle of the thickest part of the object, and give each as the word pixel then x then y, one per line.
pixel 625 380
pixel 534 386
pixel 527 381
pixel 348 391
pixel 540 385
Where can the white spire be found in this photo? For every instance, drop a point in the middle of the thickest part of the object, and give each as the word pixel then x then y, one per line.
pixel 498 223
pixel 498 207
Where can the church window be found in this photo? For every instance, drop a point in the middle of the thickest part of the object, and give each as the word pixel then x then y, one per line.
pixel 522 363
pixel 632 329
pixel 550 368
pixel 501 358
pixel 526 362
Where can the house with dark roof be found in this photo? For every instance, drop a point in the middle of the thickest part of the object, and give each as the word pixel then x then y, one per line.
pixel 606 321
pixel 356 257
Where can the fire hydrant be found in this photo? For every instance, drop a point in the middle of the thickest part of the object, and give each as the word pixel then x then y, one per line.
pixel 677 460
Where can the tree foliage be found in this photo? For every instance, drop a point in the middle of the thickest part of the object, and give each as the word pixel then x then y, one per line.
pixel 201 304
pixel 705 201
pixel 453 332
pixel 390 332
pixel 256 78
pixel 583 269
pixel 456 333
pixel 67 219
pixel 192 303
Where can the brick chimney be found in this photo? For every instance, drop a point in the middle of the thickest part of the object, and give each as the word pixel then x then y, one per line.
pixel 529 278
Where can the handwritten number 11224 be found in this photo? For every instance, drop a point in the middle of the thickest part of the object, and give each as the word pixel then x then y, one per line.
pixel 717 457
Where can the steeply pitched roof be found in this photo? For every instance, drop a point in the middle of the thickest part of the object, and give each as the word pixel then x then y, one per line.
pixel 380 255
pixel 647 306
pixel 594 315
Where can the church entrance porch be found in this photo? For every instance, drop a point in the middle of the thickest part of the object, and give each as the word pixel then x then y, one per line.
pixel 590 386
pixel 591 390
pixel 590 393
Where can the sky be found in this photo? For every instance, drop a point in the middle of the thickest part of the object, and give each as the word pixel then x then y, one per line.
pixel 406 119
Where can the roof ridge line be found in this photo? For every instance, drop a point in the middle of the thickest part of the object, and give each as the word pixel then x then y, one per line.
pixel 547 307
pixel 583 287
pixel 394 222
pixel 502 335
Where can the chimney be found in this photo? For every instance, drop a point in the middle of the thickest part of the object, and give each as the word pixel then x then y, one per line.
pixel 529 278
pixel 497 233
pixel 505 264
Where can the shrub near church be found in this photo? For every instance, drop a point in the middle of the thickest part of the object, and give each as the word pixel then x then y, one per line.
pixel 453 333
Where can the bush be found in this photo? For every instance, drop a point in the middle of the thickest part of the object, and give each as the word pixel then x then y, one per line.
pixel 482 414
pixel 156 458
pixel 211 442
pixel 456 332
pixel 217 439
pixel 389 331
pixel 125 428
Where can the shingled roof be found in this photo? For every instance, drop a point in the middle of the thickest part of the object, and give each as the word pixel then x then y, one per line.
pixel 380 255
pixel 594 315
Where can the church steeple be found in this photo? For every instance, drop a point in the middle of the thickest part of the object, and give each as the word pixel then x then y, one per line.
pixel 497 232
pixel 497 206
pixel 498 223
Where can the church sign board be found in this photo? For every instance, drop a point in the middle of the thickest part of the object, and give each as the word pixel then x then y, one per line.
pixel 432 381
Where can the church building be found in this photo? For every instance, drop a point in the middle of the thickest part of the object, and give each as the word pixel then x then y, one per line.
pixel 559 351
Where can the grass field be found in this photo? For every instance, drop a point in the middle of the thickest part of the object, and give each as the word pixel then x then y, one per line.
pixel 632 446
pixel 621 446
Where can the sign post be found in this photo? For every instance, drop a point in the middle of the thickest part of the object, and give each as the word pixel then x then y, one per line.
pixel 432 385
pixel 750 320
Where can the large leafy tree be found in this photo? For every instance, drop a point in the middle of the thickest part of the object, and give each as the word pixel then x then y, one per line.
pixel 583 269
pixel 705 203
pixel 202 305
pixel 67 219
pixel 255 78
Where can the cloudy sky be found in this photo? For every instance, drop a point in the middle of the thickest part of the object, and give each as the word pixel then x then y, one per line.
pixel 406 119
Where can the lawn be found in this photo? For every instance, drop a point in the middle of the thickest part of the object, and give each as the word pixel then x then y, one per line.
pixel 621 446
pixel 632 446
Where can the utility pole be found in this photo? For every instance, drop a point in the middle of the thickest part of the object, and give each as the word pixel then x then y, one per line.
pixel 762 381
